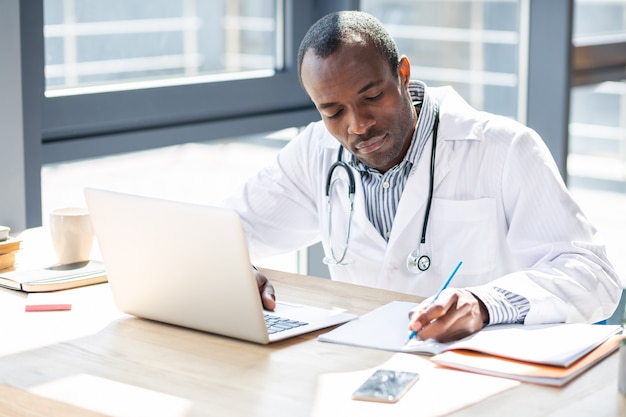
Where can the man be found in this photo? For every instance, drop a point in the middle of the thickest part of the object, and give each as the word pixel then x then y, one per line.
pixel 436 182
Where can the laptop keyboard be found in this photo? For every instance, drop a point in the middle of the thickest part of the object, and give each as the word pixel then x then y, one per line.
pixel 277 324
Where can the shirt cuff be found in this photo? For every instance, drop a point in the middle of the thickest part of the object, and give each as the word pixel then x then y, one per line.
pixel 503 306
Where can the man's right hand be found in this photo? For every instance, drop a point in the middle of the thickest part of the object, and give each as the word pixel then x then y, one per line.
pixel 266 291
pixel 456 313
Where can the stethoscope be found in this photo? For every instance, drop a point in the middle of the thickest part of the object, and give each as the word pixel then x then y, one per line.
pixel 417 261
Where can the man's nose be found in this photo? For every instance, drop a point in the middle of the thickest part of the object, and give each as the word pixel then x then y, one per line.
pixel 360 122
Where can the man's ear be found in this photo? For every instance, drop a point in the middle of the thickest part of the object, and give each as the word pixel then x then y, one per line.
pixel 404 70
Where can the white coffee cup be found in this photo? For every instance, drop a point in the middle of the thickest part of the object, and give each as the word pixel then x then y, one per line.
pixel 72 234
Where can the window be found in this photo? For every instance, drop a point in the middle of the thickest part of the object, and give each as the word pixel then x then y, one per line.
pixel 127 75
pixel 124 75
pixel 105 43
pixel 597 142
pixel 474 46
pixel 596 161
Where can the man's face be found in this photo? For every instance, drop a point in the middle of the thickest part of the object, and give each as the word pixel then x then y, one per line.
pixel 362 104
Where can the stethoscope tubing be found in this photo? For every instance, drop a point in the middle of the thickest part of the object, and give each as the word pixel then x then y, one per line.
pixel 431 184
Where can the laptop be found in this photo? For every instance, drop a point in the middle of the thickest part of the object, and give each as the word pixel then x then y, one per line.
pixel 188 265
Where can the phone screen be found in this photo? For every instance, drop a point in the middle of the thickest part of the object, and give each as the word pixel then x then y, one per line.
pixel 386 386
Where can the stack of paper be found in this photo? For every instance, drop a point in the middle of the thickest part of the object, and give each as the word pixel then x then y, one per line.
pixel 551 354
pixel 534 372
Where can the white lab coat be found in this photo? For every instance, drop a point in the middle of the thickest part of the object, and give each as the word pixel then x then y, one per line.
pixel 499 205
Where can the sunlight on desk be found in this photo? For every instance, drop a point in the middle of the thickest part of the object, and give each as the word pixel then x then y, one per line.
pixel 113 398
pixel 92 310
pixel 438 391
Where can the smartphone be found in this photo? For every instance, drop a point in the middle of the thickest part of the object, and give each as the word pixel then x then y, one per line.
pixel 385 385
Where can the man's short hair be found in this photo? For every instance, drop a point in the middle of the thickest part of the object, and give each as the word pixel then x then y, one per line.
pixel 346 27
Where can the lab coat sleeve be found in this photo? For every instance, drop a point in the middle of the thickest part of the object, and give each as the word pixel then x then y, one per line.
pixel 563 268
pixel 277 206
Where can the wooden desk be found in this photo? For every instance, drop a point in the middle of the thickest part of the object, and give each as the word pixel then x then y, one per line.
pixel 223 377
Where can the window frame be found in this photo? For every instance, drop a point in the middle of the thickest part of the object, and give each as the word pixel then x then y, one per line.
pixel 151 117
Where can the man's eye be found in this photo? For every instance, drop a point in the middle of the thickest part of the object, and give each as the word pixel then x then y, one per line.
pixel 334 116
pixel 374 98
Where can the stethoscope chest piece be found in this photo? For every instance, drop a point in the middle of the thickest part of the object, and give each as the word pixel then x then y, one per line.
pixel 416 262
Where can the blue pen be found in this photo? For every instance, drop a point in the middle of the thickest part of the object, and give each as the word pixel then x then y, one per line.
pixel 443 287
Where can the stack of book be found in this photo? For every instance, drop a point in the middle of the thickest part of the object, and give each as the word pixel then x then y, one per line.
pixel 8 247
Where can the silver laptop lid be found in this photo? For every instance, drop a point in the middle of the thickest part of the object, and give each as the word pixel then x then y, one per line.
pixel 178 263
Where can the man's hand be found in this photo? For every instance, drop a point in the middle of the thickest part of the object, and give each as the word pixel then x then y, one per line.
pixel 266 290
pixel 456 313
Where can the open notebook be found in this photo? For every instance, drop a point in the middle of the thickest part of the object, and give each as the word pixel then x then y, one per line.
pixel 557 344
pixel 188 265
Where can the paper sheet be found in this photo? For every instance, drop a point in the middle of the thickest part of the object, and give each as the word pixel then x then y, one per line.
pixel 438 391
